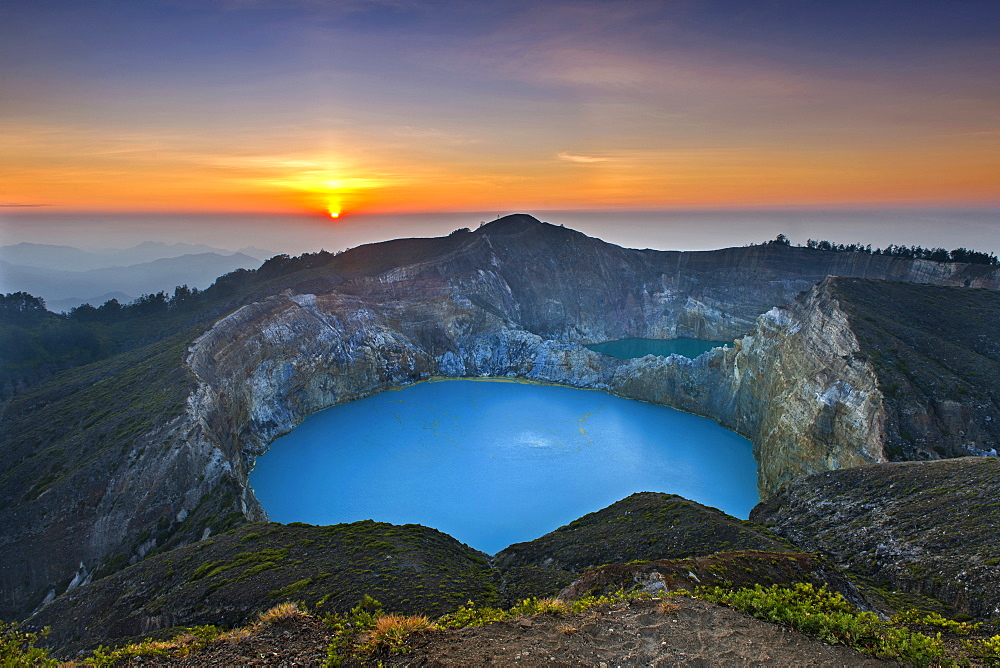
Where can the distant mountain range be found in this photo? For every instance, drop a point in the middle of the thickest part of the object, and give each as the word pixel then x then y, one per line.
pixel 69 258
pixel 63 289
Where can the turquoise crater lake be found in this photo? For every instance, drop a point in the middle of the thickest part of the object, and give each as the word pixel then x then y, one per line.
pixel 632 348
pixel 495 463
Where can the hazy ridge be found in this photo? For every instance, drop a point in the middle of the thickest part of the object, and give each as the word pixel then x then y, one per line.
pixel 62 289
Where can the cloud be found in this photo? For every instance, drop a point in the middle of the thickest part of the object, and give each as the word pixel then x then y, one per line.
pixel 572 157
pixel 18 205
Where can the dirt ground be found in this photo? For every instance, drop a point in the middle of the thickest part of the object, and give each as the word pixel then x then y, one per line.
pixel 682 632
pixel 297 642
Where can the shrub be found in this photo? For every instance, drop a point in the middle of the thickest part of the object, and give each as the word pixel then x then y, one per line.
pixel 17 648
pixel 935 620
pixel 237 635
pixel 107 656
pixel 828 616
pixel 189 641
pixel 347 628
pixel 984 649
pixel 536 606
pixel 470 615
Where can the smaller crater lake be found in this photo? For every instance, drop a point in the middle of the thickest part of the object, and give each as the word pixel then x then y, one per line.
pixel 496 462
pixel 631 348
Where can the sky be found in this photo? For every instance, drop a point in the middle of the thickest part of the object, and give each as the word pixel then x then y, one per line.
pixel 246 116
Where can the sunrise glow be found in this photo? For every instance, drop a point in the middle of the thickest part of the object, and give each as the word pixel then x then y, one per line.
pixel 836 106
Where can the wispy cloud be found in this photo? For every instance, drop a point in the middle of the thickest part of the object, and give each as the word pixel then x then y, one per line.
pixel 17 205
pixel 573 157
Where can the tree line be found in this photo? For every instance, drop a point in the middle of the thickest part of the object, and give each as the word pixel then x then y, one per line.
pixel 35 343
pixel 908 252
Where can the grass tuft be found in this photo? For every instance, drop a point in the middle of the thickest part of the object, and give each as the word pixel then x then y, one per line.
pixel 391 631
pixel 237 635
pixel 282 612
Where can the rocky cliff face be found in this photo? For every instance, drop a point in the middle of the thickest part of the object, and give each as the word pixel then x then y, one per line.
pixel 515 298
pixel 800 391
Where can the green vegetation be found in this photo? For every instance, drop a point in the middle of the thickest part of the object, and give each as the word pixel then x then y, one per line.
pixel 985 650
pixel 367 632
pixel 348 628
pixel 191 640
pixel 935 620
pixel 85 394
pixel 96 410
pixel 472 615
pixel 36 344
pixel 17 648
pixel 729 570
pixel 912 636
pixel 829 617
pixel 187 642
pixel 811 610
pixel 415 570
pixel 367 629
pixel 938 519
pixel 212 568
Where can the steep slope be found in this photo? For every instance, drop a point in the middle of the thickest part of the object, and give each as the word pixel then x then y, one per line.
pixel 110 462
pixel 796 387
pixel 936 352
pixel 229 579
pixel 930 528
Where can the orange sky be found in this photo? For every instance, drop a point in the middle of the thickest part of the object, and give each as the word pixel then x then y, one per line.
pixel 73 178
